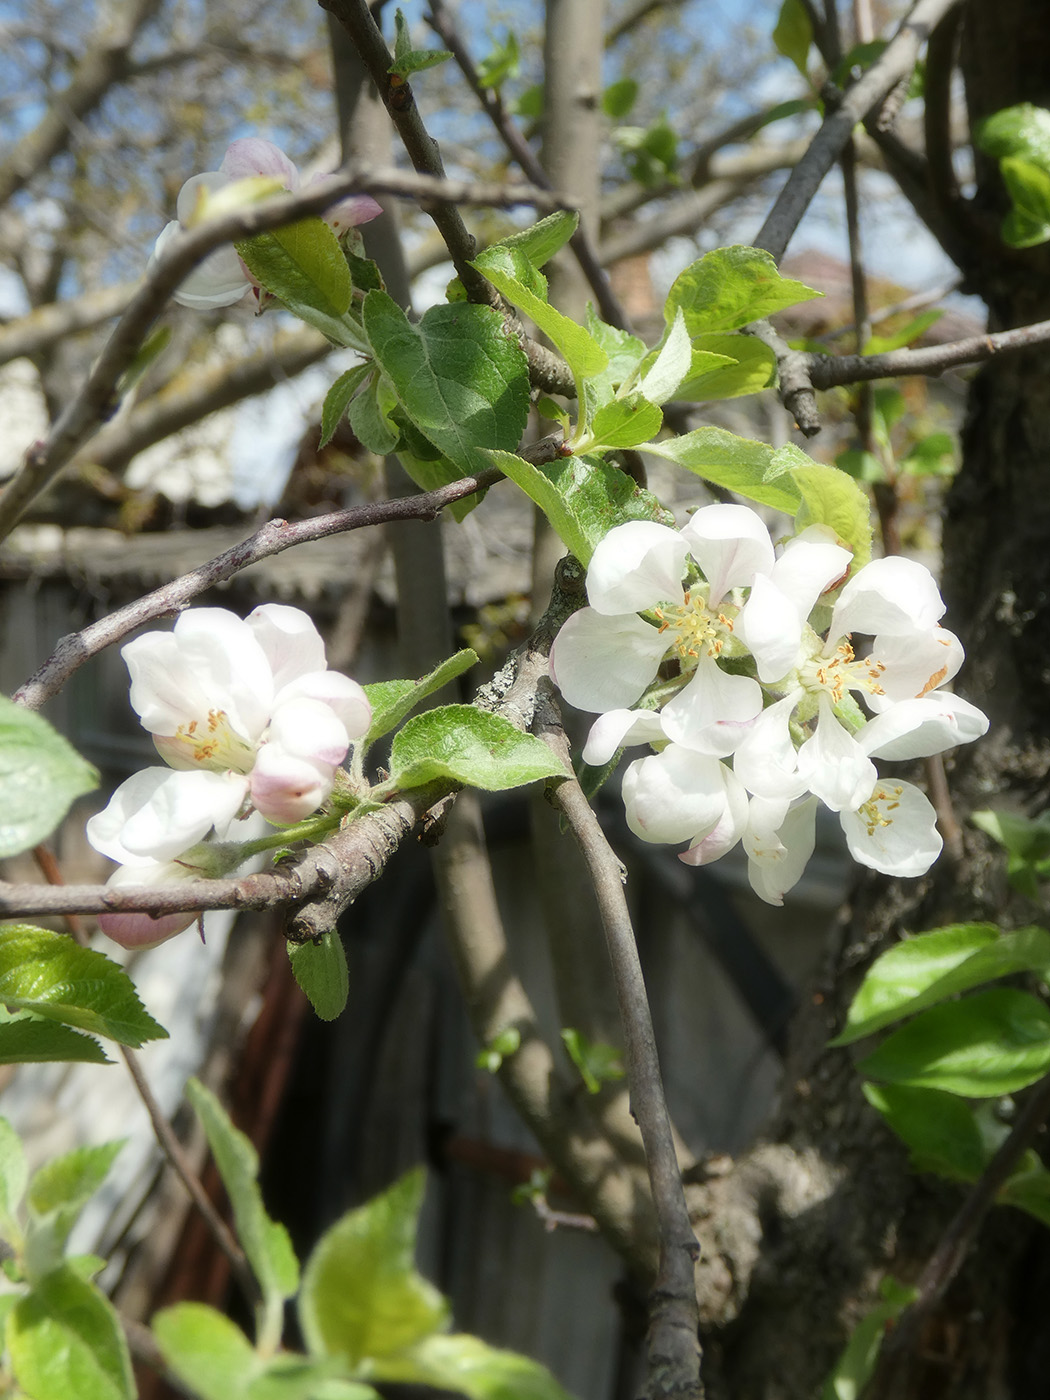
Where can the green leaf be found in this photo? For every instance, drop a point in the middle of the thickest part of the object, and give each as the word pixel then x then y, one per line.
pixel 337 398
pixel 625 353
pixel 501 63
pixel 49 974
pixel 670 364
pixel 582 497
pixel 619 97
pixel 988 1044
pixel 460 744
pixel 793 34
pixel 463 382
pixel 730 287
pixel 289 1377
pixel 936 454
pixel 14 1174
pixel 408 60
pixel 64 1341
pixel 919 972
pixel 1028 1189
pixel 527 289
pixel 320 969
pixel 624 423
pixel 651 152
pixel 303 265
pixel 881 344
pixel 938 1129
pixel 66 1184
pixel 1027 837
pixel 596 1062
pixel 361 1296
pixel 541 241
pixel 471 1367
pixel 829 497
pixel 747 366
pixel 26 1041
pixel 209 1353
pixel 371 416
pixel 856 1365
pixel 1023 130
pixel 736 463
pixel 1028 222
pixel 391 701
pixel 265 1242
pixel 40 776
pixel 508 1042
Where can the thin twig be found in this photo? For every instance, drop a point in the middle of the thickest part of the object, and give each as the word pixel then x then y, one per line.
pixel 896 61
pixel 492 105
pixel 180 1163
pixel 947 1259
pixel 674 1348
pixel 829 370
pixel 273 538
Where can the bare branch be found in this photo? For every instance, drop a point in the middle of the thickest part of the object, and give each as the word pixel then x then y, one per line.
pixel 274 537
pixel 896 61
pixel 829 370
pixel 104 64
pixel 674 1350
pixel 28 335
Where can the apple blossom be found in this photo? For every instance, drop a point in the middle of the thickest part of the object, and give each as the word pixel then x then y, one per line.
pixel 221 279
pixel 749 669
pixel 247 717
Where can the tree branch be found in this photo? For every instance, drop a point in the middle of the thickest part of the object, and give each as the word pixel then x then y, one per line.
pixel 896 61
pixel 32 333
pixel 97 398
pixel 274 537
pixel 674 1350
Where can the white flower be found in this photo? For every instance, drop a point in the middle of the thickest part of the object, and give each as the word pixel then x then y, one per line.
pixel 221 279
pixel 245 714
pixel 678 795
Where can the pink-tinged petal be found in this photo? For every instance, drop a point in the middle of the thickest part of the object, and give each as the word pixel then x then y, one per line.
pixel 713 712
pixel 351 213
pixel 891 596
pixel 617 729
pixel 287 788
pixel 252 155
pixel 731 545
pixel 729 828
pixel 765 760
pixel 605 663
pixel 143 930
pixel 919 728
pixel 808 566
pixel 636 566
pixel 912 664
pixel 344 697
pixel 770 627
pixel 674 796
pixel 776 860
pixel 308 729
pixel 289 640
pixel 834 765
pixel 218 281
pixel 895 831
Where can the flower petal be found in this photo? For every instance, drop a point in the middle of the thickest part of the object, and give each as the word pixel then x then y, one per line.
pixel 289 640
pixel 913 663
pixel 919 728
pixel 809 565
pixel 143 930
pixel 673 796
pixel 765 760
pixel 770 626
pixel 160 813
pixel 252 155
pixel 727 831
pixel 776 860
pixel 895 831
pixel 712 713
pixel 287 788
pixel 834 765
pixel 618 729
pixel 636 566
pixel 892 596
pixel 731 544
pixel 605 663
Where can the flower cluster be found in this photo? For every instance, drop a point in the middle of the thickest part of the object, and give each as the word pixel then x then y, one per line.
pixel 754 713
pixel 222 277
pixel 248 719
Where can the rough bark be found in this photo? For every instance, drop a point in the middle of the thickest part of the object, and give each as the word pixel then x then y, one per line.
pixel 800 1232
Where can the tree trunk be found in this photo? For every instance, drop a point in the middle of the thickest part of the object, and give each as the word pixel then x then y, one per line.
pixel 836 1204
